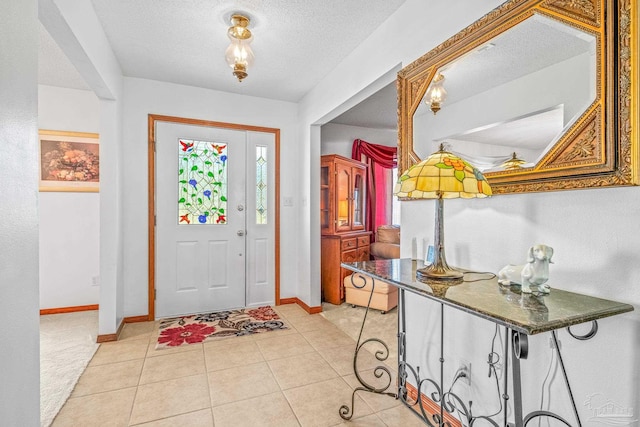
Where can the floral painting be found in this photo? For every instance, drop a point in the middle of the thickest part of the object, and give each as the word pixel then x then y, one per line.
pixel 69 161
pixel 202 182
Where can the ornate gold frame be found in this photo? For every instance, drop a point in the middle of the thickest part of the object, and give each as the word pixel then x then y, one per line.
pixel 601 149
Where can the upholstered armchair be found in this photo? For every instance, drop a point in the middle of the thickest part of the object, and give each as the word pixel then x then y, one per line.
pixel 387 242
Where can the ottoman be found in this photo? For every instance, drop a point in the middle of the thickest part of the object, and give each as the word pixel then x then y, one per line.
pixel 385 296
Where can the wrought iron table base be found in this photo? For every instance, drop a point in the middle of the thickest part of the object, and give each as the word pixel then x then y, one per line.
pixel 449 402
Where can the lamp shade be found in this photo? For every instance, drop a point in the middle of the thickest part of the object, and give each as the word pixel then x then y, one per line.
pixel 442 175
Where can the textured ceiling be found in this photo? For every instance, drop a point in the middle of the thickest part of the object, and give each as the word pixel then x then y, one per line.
pixel 532 45
pixel 379 111
pixel 296 43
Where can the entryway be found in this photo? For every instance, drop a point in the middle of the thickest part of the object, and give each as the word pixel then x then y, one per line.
pixel 215 243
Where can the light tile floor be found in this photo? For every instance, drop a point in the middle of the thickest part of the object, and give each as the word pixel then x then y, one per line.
pixel 295 377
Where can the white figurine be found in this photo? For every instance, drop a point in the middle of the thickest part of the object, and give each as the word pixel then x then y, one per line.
pixel 533 274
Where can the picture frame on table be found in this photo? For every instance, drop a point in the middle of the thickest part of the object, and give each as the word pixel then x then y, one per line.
pixel 69 161
pixel 429 255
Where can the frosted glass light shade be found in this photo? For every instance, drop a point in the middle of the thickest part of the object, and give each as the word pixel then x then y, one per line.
pixel 436 94
pixel 239 53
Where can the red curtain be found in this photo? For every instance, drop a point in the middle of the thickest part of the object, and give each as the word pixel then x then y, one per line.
pixel 380 159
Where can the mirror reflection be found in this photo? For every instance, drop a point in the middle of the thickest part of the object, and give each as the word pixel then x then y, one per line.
pixel 508 102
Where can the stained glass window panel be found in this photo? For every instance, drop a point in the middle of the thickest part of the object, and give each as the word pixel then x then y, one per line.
pixel 202 182
pixel 261 184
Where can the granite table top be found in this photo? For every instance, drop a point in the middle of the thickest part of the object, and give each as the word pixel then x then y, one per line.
pixel 481 295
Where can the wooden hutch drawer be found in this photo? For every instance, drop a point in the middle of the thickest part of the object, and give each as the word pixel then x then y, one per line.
pixel 350 256
pixel 349 244
pixel 363 241
pixel 363 254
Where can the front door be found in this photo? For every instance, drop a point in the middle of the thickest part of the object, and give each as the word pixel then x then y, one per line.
pixel 208 235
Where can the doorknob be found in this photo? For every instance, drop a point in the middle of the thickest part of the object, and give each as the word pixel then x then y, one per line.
pixel 240 232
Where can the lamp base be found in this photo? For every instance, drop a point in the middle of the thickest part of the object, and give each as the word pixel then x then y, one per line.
pixel 445 275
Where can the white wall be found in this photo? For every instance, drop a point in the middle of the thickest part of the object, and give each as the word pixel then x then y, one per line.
pixel 20 354
pixel 338 139
pixel 143 97
pixel 399 40
pixel 69 222
pixel 595 254
pixel 593 231
pixel 76 29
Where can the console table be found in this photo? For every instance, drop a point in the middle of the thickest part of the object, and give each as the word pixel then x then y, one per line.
pixel 480 295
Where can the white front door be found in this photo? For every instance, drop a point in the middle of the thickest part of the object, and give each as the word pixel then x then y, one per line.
pixel 209 239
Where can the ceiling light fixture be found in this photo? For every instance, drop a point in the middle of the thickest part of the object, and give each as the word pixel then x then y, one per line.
pixel 436 94
pixel 239 55
pixel 513 163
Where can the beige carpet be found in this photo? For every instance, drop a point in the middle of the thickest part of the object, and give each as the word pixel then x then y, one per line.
pixel 67 344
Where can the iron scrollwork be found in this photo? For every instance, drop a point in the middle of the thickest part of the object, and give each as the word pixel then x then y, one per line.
pixel 381 354
pixel 592 333
pixel 536 414
pixel 450 404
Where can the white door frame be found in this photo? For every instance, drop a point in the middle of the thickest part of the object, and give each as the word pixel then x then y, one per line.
pixel 153 119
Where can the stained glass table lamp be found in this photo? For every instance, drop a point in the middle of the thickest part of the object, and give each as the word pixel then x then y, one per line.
pixel 441 176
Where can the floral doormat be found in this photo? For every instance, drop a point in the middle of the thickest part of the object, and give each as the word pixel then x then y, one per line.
pixel 203 327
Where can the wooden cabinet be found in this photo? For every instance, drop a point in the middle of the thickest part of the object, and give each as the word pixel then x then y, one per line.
pixel 342 194
pixel 337 248
pixel 342 221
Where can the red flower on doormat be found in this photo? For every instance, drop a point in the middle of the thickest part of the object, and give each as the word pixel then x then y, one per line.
pixel 263 313
pixel 190 334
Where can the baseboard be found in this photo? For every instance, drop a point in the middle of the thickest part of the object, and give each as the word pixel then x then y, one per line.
pixel 305 307
pixel 106 338
pixel 430 406
pixel 136 319
pixel 110 337
pixel 45 311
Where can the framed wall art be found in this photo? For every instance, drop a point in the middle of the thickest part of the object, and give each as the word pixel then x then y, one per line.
pixel 69 161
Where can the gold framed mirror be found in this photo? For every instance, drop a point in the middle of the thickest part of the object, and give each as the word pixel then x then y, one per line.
pixel 541 95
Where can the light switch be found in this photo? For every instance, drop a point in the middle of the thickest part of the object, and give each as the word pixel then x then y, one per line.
pixel 287 201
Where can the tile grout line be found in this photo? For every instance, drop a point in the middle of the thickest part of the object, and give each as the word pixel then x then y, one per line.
pixel 206 374
pixel 315 350
pixel 281 390
pixel 144 362
pixel 315 328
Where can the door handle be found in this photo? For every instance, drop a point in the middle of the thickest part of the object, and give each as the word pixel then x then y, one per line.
pixel 241 233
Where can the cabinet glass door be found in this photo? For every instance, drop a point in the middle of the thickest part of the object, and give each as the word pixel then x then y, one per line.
pixel 358 200
pixel 343 183
pixel 325 226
